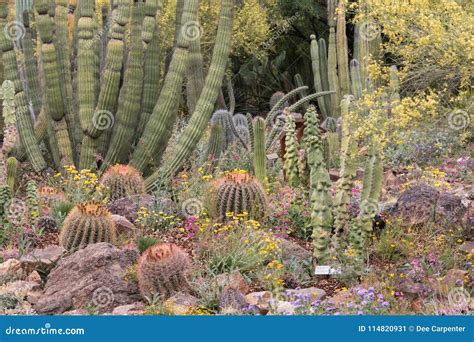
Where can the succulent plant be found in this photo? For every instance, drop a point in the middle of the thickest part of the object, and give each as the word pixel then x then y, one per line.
pixel 5 198
pixel 46 224
pixel 259 155
pixel 86 224
pixel 12 171
pixel 224 119
pixel 32 201
pixel 276 97
pixel 162 270
pixel 291 153
pixel 121 181
pixel 237 192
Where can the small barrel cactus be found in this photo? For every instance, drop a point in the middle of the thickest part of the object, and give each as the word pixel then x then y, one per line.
pixel 46 224
pixel 86 224
pixel 237 193
pixel 162 270
pixel 121 181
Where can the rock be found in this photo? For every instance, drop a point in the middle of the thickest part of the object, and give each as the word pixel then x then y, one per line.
pixel 135 309
pixel 10 270
pixel 34 277
pixel 234 280
pixel 259 299
pixel 33 297
pixel 311 293
pixel 21 288
pixel 181 303
pixel 410 288
pixel 8 301
pixel 124 227
pixel 96 276
pixel 80 312
pixel 450 210
pixel 231 301
pixel 416 205
pixel 42 260
pixel 297 263
pixel 284 308
pixel 130 206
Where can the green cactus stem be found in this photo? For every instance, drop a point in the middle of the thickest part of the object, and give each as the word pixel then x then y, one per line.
pixel 12 172
pixel 290 165
pixel 259 152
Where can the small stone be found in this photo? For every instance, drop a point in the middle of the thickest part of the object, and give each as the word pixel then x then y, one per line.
pixel 34 277
pixel 10 270
pixel 284 308
pixel 181 303
pixel 124 227
pixel 42 260
pixel 135 309
pixel 231 301
pixel 234 280
pixel 312 293
pixel 260 299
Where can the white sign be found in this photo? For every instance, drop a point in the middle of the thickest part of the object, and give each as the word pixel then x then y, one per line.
pixel 326 270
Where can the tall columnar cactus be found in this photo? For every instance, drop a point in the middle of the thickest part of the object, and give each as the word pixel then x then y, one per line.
pixel 371 191
pixel 318 73
pixel 333 79
pixel 250 128
pixel 122 181
pixel 275 98
pixel 291 153
pixel 163 270
pixel 194 71
pixel 200 118
pixel 321 202
pixel 5 199
pixel 86 224
pixel 281 104
pixel 152 144
pixel 21 6
pixel 259 154
pixel 342 217
pixel 126 118
pixel 342 50
pixel 32 202
pixel 237 193
pixel 12 171
pixel 23 116
pixel 56 109
pixel 214 146
pixel 240 120
pixel 9 129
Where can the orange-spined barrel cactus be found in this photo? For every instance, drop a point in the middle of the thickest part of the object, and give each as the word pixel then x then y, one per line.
pixel 162 270
pixel 237 193
pixel 86 224
pixel 122 181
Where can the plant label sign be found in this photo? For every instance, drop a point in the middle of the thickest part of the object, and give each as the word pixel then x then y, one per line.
pixel 326 270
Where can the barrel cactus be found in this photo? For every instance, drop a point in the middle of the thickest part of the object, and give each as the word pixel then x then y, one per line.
pixel 121 181
pixel 162 270
pixel 87 223
pixel 237 193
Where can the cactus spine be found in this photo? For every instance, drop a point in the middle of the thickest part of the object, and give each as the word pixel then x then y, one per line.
pixel 86 224
pixel 200 118
pixel 291 153
pixel 162 270
pixel 321 202
pixel 259 155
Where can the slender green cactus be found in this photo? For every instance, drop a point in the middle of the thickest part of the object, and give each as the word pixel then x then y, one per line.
pixel 23 116
pixel 87 224
pixel 240 120
pixel 300 83
pixel 152 72
pixel 250 128
pixel 200 118
pixel 20 7
pixel 8 113
pixel 276 109
pixel 321 202
pixel 214 146
pixel 87 76
pixel 194 71
pixel 224 119
pixel 259 154
pixel 31 67
pixel 12 171
pixel 5 199
pixel 291 153
pixel 342 50
pixel 157 133
pixel 32 202
pixel 324 70
pixel 318 71
pixel 333 78
pixel 126 118
pixel 275 98
pixel 356 82
pixel 162 270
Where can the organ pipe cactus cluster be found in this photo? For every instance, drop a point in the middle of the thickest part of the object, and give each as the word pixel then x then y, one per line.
pixel 102 102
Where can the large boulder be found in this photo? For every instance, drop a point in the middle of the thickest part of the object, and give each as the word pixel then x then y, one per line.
pixel 96 276
pixel 422 204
